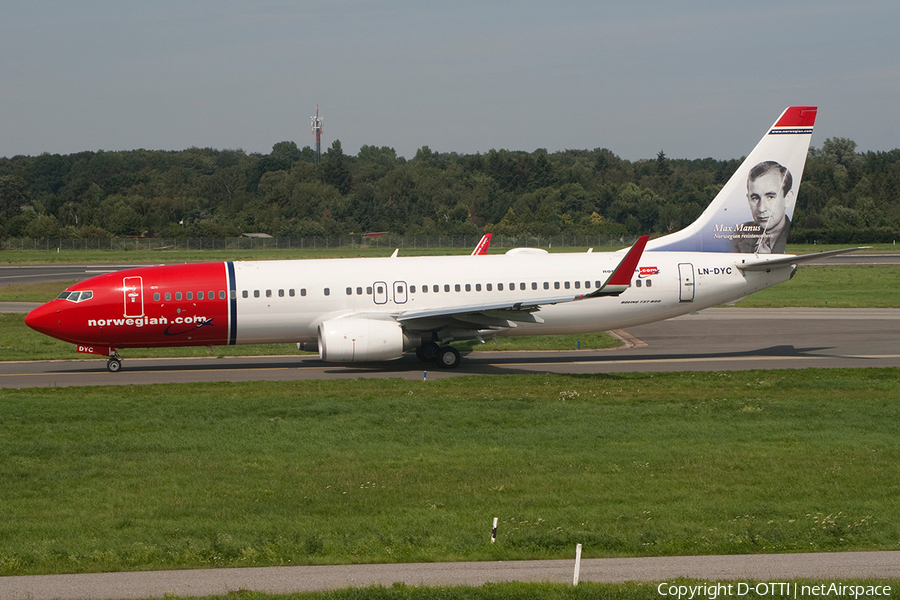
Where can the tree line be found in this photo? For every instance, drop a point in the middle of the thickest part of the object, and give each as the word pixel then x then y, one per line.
pixel 845 196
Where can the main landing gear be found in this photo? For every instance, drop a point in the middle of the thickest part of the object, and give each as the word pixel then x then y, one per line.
pixel 446 357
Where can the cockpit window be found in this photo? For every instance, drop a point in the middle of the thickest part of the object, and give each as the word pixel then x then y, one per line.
pixel 76 296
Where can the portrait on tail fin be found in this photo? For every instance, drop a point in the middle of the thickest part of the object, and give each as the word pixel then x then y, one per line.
pixel 766 182
pixel 769 192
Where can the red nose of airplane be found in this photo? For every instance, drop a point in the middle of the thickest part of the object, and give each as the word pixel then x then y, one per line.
pixel 44 319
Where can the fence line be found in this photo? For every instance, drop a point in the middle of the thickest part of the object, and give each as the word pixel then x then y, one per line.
pixel 303 243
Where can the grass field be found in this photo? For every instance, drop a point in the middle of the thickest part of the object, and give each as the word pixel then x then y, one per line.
pixel 858 286
pixel 331 472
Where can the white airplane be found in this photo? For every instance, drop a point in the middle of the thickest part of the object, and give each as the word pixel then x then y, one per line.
pixel 375 309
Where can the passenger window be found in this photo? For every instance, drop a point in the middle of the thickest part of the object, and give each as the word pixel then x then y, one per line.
pixel 412 289
pixel 327 291
pixel 522 285
pixel 268 293
pixel 489 288
pixel 567 285
pixel 577 285
pixel 359 291
pixel 222 294
pixel 597 284
pixel 231 294
pixel 156 297
pixel 546 285
pixel 211 295
pixel 512 287
pixel 468 287
pixel 291 293
pixel 244 294
pixel 302 291
pixel 189 296
pixel 349 291
pixel 556 285
pixel 281 293
pixel 256 293
pixel 638 283
pixel 587 285
pixel 435 288
pixel 649 282
pixel 446 287
pixel 534 285
pixel 425 288
pixel 199 295
pixel 369 290
pixel 499 287
pixel 477 287
pixel 168 296
pixel 177 295
pixel 456 287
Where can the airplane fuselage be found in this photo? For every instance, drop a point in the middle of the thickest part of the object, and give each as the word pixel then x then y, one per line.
pixel 287 301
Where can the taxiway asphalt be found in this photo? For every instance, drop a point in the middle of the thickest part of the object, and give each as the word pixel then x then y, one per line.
pixel 716 339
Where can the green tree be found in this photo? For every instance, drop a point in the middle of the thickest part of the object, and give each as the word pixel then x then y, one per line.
pixel 335 170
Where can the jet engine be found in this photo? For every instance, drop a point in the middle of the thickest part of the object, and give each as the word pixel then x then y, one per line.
pixel 355 340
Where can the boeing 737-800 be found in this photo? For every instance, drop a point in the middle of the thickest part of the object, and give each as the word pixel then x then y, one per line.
pixel 375 309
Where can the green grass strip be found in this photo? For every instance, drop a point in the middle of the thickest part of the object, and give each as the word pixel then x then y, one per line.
pixel 331 472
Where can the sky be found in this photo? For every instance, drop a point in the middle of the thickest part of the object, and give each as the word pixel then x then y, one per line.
pixel 693 79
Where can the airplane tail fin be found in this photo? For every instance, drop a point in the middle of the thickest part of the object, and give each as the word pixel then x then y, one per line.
pixel 482 247
pixel 752 212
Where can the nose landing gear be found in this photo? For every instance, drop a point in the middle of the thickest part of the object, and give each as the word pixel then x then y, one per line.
pixel 114 364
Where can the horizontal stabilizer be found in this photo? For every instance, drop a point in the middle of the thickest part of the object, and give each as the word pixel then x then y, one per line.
pixel 762 264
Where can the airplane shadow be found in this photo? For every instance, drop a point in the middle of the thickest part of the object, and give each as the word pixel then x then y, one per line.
pixel 475 363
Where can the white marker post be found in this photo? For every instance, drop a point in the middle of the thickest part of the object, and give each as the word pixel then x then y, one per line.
pixel 577 564
pixel 494 531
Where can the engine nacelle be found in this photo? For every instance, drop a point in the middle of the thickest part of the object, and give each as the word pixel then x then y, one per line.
pixel 355 340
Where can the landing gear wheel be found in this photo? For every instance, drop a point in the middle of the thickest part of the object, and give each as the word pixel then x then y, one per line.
pixel 427 352
pixel 448 358
pixel 114 365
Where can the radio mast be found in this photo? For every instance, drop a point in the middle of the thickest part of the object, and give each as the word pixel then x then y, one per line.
pixel 317 122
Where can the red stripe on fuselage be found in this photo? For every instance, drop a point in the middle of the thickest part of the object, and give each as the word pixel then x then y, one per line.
pixel 176 305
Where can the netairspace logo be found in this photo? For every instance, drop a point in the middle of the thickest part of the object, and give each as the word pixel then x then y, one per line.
pixel 781 589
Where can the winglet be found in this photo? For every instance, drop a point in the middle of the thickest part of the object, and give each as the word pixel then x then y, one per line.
pixel 620 280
